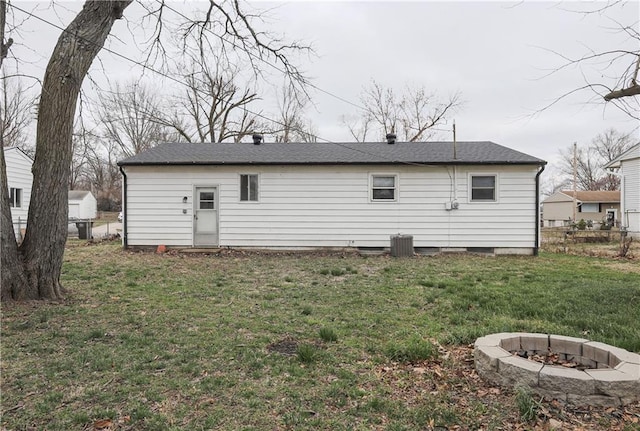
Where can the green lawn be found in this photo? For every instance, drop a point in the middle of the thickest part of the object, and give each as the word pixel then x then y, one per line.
pixel 266 341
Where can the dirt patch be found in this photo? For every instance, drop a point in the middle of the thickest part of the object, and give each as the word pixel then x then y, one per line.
pixel 287 346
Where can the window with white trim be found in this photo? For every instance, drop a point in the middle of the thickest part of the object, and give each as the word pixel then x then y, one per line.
pixel 589 208
pixel 249 188
pixel 15 198
pixel 384 188
pixel 483 188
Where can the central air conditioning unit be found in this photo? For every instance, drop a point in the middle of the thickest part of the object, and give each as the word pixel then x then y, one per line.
pixel 401 245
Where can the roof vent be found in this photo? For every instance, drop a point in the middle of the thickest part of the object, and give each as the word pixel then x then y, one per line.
pixel 257 139
pixel 391 138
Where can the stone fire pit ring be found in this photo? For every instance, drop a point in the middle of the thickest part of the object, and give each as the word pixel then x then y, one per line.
pixel 611 376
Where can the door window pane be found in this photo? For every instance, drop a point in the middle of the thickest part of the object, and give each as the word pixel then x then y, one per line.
pixel 207 201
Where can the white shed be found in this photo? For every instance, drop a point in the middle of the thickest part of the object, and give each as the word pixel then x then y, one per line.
pixel 474 196
pixel 627 166
pixel 19 179
pixel 82 205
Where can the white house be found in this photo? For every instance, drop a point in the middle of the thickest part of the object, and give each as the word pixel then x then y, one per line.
pixel 627 166
pixel 19 180
pixel 82 205
pixel 475 196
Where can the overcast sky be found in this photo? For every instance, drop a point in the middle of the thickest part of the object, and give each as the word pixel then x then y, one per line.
pixel 493 53
pixel 496 54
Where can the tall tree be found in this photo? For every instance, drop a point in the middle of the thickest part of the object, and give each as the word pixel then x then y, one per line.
pixel 80 143
pixel 8 245
pixel 291 125
pixel 102 174
pixel 590 159
pixel 127 114
pixel 15 114
pixel 32 271
pixel 411 115
pixel 213 107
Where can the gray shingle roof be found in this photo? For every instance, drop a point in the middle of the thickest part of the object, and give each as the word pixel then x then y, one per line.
pixel 330 154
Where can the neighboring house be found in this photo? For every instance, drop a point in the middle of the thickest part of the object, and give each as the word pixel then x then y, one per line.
pixel 475 196
pixel 82 205
pixel 627 166
pixel 594 206
pixel 19 179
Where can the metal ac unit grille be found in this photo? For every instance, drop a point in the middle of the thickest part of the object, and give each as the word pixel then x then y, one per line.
pixel 401 245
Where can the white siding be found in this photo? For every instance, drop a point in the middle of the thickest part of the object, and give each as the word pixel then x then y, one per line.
pixel 85 207
pixel 19 176
pixel 316 206
pixel 630 171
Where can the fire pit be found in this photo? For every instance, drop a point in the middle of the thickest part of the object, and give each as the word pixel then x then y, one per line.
pixel 583 373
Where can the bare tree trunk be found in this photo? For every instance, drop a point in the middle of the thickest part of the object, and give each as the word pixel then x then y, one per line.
pixel 8 245
pixel 39 258
pixel 11 264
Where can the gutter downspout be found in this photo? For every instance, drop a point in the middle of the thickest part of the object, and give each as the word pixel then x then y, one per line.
pixel 536 248
pixel 124 208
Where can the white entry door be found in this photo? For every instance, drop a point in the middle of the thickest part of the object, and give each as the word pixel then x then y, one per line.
pixel 205 214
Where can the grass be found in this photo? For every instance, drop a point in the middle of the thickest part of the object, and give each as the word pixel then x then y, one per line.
pixel 528 406
pixel 328 335
pixel 170 342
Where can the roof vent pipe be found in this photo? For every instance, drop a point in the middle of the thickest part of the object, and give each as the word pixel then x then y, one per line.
pixel 391 138
pixel 257 139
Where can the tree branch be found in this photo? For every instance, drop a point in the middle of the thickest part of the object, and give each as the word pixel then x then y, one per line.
pixel 634 90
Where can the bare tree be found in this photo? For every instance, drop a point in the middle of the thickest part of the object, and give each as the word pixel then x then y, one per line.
pixel 358 127
pixel 213 108
pixel 127 115
pixel 611 75
pixel 291 125
pixel 80 143
pixel 610 144
pixel 32 270
pixel 590 160
pixel 102 174
pixel 15 114
pixel 553 181
pixel 411 116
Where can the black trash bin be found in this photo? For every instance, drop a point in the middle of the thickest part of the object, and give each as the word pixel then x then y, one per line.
pixel 83 229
